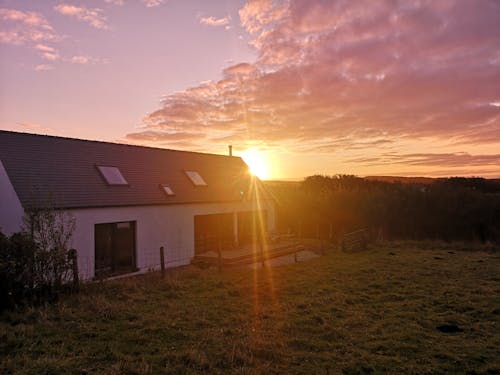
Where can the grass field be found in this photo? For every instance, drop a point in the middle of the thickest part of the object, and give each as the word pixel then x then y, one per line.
pixel 375 311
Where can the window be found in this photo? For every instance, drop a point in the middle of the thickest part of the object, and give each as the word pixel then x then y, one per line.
pixel 114 248
pixel 167 189
pixel 195 178
pixel 112 175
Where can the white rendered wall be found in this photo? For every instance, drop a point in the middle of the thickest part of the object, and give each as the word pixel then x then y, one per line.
pixel 11 211
pixel 171 226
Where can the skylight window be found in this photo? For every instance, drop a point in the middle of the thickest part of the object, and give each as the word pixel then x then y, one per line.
pixel 167 189
pixel 195 178
pixel 112 175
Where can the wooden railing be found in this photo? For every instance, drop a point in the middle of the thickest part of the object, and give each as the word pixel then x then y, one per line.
pixel 355 241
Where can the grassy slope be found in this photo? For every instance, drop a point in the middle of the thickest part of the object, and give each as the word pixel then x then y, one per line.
pixel 353 313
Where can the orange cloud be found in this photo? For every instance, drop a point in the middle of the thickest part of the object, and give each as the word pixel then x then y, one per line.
pixel 344 78
pixel 34 128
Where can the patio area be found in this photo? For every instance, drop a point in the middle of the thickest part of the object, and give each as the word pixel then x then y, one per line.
pixel 253 253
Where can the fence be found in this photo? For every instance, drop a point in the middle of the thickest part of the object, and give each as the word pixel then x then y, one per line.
pixel 145 260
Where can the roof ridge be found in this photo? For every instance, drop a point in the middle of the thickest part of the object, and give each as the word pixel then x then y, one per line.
pixel 114 143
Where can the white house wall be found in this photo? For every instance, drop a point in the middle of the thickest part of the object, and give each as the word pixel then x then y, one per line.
pixel 11 211
pixel 170 226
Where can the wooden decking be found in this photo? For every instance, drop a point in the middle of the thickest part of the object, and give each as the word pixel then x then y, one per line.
pixel 249 254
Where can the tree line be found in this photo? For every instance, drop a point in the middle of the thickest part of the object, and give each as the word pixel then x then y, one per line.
pixel 447 209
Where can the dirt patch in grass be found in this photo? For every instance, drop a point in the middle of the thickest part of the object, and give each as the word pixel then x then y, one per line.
pixel 369 312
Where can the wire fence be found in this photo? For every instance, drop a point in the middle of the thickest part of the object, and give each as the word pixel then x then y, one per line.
pixel 145 260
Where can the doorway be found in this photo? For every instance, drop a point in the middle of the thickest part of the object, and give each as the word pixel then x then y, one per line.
pixel 213 230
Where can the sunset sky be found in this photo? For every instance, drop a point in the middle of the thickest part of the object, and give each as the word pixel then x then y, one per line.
pixel 303 87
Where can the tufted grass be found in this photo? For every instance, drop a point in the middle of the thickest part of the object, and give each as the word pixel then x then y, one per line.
pixel 375 311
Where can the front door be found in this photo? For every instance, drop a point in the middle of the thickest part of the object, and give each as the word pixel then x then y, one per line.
pixel 252 226
pixel 213 230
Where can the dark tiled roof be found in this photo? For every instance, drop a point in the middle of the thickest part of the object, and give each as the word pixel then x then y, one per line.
pixel 62 172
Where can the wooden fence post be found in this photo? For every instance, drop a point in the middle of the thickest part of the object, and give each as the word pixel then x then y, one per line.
pixel 262 254
pixel 219 255
pixel 72 254
pixel 162 261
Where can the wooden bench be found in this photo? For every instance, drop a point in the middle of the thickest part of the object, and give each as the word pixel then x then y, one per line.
pixel 355 241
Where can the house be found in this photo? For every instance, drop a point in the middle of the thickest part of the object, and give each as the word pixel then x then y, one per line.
pixel 127 201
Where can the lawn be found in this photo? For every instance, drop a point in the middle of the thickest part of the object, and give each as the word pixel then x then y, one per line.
pixel 376 311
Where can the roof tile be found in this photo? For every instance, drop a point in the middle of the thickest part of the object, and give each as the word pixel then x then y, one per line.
pixel 61 172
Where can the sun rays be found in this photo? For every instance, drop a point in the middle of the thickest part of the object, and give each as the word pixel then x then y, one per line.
pixel 258 163
pixel 260 250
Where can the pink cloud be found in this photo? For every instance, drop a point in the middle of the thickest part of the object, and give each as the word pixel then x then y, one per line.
pixel 20 27
pixel 257 14
pixel 212 21
pixel 47 52
pixel 92 16
pixel 33 30
pixel 43 67
pixel 85 60
pixel 34 128
pixel 347 76
pixel 152 3
pixel 115 2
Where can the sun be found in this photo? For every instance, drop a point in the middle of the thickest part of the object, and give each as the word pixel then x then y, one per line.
pixel 257 163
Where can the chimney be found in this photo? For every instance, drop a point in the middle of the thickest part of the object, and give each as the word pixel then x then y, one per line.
pixel 230 150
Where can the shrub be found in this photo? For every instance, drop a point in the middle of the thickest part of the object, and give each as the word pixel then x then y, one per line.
pixel 17 255
pixel 34 263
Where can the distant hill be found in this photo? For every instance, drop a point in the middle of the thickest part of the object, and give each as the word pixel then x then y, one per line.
pixel 483 184
pixel 281 184
pixel 403 180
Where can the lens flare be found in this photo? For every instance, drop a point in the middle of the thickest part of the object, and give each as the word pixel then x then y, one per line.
pixel 257 162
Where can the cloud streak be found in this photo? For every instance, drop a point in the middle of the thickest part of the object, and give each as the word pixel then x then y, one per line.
pixel 92 16
pixel 43 67
pixel 85 60
pixel 212 21
pixel 152 3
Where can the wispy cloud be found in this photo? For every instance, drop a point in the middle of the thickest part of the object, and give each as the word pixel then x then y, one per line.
pixel 212 21
pixel 152 3
pixel 32 30
pixel 18 27
pixel 331 76
pixel 92 16
pixel 43 67
pixel 459 159
pixel 115 2
pixel 47 52
pixel 84 60
pixel 34 128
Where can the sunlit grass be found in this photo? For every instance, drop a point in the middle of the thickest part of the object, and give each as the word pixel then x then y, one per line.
pixel 373 311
